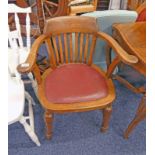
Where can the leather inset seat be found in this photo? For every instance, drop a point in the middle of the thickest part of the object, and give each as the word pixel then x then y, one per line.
pixel 71 83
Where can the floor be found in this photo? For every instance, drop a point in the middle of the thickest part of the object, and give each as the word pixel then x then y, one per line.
pixel 79 133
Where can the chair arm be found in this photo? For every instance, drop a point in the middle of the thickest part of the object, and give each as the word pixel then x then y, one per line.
pixel 122 54
pixel 30 62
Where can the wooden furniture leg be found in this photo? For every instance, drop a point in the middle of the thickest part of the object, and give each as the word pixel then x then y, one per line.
pixel 48 122
pixel 77 53
pixel 134 89
pixel 140 115
pixel 106 118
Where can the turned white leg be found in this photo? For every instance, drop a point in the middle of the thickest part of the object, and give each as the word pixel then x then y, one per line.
pixel 29 131
pixel 29 128
pixel 34 83
pixel 30 110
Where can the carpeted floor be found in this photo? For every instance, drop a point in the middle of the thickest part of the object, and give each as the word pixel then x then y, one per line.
pixel 79 133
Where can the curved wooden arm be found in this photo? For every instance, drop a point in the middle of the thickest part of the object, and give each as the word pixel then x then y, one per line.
pixel 122 54
pixel 31 60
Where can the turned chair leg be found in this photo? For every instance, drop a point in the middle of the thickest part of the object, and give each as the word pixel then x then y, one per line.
pixel 48 117
pixel 106 118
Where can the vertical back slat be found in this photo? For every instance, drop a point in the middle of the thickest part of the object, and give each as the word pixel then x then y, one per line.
pixel 50 52
pixel 13 37
pixel 66 47
pixel 76 48
pixel 86 48
pixel 19 30
pixel 92 50
pixel 55 48
pixel 28 31
pixel 60 49
pixel 71 47
pixel 10 38
pixel 81 46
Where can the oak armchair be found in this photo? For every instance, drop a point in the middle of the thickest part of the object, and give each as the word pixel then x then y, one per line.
pixel 73 83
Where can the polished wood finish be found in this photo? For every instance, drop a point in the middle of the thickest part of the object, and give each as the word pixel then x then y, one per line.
pixel 69 28
pixel 82 7
pixel 81 106
pixel 132 37
pixel 134 4
pixel 140 89
pixel 141 7
pixel 140 115
pixel 48 117
pixel 136 46
pixel 106 118
pixel 123 55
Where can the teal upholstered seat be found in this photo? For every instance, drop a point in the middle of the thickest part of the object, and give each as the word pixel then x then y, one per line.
pixel 105 20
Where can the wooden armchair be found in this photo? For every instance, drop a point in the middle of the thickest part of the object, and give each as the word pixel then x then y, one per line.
pixel 73 83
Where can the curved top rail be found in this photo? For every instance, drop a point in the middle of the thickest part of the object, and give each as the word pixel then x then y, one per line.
pixel 12 8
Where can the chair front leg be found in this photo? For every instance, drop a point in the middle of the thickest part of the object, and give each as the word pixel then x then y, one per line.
pixel 106 118
pixel 48 117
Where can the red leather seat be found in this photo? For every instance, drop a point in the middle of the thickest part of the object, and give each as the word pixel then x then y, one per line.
pixel 142 16
pixel 71 83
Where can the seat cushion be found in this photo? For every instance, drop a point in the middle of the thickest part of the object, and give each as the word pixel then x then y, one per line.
pixel 71 83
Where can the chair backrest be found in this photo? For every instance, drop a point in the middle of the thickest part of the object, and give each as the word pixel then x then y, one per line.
pixel 105 20
pixel 19 47
pixel 15 36
pixel 73 39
